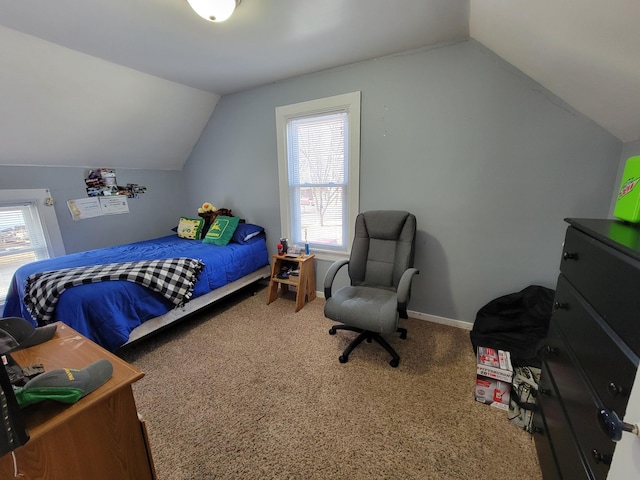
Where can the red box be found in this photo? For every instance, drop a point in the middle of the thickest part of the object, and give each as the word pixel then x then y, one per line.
pixel 494 374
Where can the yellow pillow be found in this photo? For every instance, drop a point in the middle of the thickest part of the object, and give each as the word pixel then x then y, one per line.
pixel 190 228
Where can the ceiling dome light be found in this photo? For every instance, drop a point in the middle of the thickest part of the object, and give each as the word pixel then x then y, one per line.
pixel 214 10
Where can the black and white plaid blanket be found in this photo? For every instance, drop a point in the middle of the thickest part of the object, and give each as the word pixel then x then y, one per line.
pixel 173 278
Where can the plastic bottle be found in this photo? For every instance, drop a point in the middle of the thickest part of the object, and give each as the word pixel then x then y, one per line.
pixel 306 243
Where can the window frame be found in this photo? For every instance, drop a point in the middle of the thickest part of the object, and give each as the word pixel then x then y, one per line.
pixel 42 199
pixel 350 104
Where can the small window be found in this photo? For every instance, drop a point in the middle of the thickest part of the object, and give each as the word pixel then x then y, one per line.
pixel 318 165
pixel 28 232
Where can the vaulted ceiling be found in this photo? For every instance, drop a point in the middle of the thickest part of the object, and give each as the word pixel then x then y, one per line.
pixel 132 83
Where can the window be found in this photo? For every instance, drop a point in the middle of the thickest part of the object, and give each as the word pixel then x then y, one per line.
pixel 318 166
pixel 28 232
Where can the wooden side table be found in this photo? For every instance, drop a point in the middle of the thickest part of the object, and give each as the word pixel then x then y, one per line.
pixel 101 437
pixel 305 283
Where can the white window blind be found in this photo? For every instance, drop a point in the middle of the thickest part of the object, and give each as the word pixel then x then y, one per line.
pixel 319 164
pixel 22 240
pixel 318 179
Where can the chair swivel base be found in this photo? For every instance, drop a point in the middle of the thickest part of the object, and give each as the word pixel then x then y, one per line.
pixel 368 336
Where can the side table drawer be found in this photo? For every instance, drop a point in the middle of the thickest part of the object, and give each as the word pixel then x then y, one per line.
pixel 610 371
pixel 589 265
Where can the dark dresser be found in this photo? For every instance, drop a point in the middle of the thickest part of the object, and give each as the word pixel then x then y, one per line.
pixel 590 355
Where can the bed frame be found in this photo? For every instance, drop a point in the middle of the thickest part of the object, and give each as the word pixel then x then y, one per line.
pixel 155 324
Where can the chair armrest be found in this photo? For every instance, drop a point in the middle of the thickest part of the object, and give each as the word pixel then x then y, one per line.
pixel 331 275
pixel 404 290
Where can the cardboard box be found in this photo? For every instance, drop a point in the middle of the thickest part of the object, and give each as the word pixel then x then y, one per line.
pixel 494 374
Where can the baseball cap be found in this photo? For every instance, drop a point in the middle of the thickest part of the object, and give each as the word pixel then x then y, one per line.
pixel 64 385
pixel 17 333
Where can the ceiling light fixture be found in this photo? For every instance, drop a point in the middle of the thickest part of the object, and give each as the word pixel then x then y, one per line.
pixel 214 10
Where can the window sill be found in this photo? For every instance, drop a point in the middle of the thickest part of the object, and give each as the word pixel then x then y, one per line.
pixel 329 256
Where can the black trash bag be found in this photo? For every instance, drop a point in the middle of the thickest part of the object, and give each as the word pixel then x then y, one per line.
pixel 516 322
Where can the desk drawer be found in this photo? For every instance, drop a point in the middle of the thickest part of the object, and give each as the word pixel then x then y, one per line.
pixel 610 371
pixel 579 404
pixel 608 279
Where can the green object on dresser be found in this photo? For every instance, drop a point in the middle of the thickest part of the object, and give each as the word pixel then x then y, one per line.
pixel 628 203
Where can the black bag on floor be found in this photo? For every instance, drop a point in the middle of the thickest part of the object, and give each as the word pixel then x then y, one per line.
pixel 515 322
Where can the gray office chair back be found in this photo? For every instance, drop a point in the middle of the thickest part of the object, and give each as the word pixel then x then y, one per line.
pixel 383 248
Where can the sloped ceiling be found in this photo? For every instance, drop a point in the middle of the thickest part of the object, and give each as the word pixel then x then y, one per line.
pixel 131 84
pixel 587 52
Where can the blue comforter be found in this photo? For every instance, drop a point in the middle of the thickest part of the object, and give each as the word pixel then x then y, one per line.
pixel 107 312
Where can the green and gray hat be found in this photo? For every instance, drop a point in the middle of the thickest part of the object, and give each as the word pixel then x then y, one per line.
pixel 64 385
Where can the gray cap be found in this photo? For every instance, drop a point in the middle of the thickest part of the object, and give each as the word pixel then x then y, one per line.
pixel 17 333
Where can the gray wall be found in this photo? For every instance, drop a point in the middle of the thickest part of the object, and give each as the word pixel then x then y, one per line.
pixel 151 215
pixel 488 160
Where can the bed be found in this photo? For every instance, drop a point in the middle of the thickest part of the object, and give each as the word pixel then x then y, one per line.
pixel 119 312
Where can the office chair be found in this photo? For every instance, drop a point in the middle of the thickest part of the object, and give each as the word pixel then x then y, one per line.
pixel 380 271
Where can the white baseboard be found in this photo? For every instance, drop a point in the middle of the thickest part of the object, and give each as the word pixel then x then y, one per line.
pixel 442 320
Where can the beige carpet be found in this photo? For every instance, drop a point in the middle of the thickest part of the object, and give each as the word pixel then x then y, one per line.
pixel 250 391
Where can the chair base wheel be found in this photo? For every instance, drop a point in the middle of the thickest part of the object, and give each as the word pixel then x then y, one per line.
pixel 368 336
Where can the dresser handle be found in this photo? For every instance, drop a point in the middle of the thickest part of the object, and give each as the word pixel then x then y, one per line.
pixel 569 256
pixel 548 351
pixel 613 427
pixel 536 429
pixel 544 391
pixel 617 391
pixel 559 306
pixel 601 457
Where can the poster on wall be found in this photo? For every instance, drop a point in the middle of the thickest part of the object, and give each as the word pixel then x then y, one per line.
pixel 114 205
pixel 102 182
pixel 83 208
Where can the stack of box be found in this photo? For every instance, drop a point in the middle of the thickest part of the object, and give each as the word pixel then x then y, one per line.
pixel 494 377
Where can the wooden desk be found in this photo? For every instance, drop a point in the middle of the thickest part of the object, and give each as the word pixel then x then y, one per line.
pixel 305 283
pixel 100 437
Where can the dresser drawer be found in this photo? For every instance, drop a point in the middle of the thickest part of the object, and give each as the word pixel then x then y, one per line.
pixel 579 404
pixel 544 449
pixel 558 435
pixel 607 367
pixel 609 280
